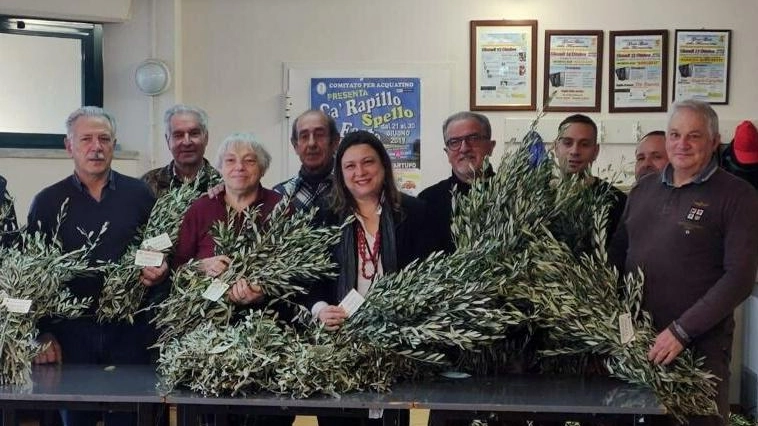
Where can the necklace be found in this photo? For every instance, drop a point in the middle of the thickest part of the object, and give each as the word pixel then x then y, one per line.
pixel 369 256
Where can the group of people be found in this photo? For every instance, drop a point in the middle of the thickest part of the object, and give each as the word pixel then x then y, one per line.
pixel 686 223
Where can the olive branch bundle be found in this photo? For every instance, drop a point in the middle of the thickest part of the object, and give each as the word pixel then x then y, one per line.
pixel 521 258
pixel 279 256
pixel 401 331
pixel 258 354
pixel 431 305
pixel 122 294
pixel 571 287
pixel 36 269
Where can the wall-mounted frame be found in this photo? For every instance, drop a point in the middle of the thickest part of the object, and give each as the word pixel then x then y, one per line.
pixel 638 71
pixel 701 68
pixel 503 66
pixel 573 70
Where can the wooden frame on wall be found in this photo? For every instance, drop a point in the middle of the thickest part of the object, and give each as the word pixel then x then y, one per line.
pixel 503 65
pixel 638 71
pixel 701 67
pixel 573 70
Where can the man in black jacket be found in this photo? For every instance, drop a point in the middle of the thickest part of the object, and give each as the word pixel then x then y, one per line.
pixel 468 140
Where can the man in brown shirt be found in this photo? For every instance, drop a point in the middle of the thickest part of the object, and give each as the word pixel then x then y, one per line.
pixel 186 137
pixel 693 232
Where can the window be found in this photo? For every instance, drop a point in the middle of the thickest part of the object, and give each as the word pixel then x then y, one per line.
pixel 50 69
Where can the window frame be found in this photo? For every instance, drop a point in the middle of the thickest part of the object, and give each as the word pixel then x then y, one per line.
pixel 91 37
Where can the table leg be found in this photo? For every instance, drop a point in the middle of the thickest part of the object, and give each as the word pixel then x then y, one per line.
pixel 9 417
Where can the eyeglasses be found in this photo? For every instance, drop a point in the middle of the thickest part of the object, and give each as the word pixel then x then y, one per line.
pixel 454 144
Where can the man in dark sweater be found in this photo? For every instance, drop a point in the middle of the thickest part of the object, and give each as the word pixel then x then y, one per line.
pixel 96 194
pixel 186 137
pixel 8 223
pixel 576 148
pixel 692 230
pixel 468 140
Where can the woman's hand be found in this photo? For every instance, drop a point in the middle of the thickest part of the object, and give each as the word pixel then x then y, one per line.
pixel 243 293
pixel 215 266
pixel 332 317
pixel 215 191
pixel 152 275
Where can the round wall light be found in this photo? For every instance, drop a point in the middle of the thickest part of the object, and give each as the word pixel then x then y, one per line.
pixel 152 77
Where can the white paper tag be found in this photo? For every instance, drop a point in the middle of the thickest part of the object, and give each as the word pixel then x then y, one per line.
pixel 375 413
pixel 352 302
pixel 17 306
pixel 148 258
pixel 626 328
pixel 158 243
pixel 455 375
pixel 214 291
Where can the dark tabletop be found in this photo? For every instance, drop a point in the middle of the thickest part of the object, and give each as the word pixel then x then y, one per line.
pixel 512 393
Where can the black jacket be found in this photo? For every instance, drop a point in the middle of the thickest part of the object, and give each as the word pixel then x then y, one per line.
pixel 410 239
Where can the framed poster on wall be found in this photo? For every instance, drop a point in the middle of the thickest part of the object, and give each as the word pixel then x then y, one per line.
pixel 638 71
pixel 573 67
pixel 701 68
pixel 503 65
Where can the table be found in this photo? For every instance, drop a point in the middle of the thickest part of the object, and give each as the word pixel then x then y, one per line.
pixel 85 387
pixel 393 411
pixel 533 397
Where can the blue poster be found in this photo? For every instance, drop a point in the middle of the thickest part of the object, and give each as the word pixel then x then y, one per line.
pixel 387 107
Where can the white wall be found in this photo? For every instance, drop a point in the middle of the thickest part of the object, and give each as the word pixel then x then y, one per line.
pixel 234 50
pixel 228 57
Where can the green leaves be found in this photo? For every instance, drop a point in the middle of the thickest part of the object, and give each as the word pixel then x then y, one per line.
pixel 530 259
pixel 122 294
pixel 37 270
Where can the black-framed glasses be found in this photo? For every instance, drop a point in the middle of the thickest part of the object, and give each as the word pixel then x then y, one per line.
pixel 454 144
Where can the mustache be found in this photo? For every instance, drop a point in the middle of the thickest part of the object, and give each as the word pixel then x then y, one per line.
pixel 96 156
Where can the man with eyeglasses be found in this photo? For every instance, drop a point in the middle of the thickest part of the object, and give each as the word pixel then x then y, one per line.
pixel 576 148
pixel 186 137
pixel 468 140
pixel 315 138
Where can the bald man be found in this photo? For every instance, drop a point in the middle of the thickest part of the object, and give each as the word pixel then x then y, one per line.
pixel 650 155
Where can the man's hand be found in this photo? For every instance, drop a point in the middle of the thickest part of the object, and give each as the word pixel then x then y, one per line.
pixel 665 349
pixel 152 275
pixel 332 317
pixel 216 265
pixel 215 191
pixel 243 293
pixel 52 353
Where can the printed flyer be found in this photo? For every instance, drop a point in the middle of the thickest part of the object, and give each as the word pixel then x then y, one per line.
pixel 638 70
pixel 573 71
pixel 702 65
pixel 388 107
pixel 503 66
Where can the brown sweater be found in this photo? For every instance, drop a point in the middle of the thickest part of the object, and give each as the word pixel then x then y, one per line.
pixel 697 246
